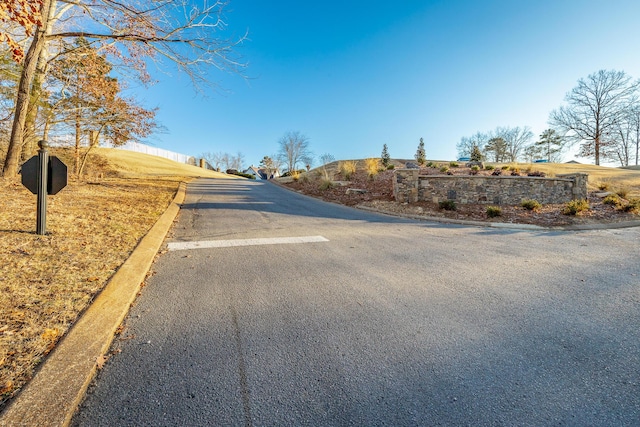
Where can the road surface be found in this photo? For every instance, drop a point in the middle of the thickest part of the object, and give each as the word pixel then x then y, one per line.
pixel 270 308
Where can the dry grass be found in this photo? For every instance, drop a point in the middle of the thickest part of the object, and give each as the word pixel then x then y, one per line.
pixel 614 178
pixel 93 226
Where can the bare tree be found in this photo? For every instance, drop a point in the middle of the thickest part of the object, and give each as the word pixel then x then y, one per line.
pixel 467 144
pixel 134 31
pixel 594 109
pixel 624 140
pixel 516 139
pixel 294 149
pixel 634 122
pixel 237 161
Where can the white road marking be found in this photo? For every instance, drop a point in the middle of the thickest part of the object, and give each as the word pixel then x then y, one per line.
pixel 181 246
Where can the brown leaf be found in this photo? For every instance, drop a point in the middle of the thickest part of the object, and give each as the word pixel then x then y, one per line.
pixel 100 361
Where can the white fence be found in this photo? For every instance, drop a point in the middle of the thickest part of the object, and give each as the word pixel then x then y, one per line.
pixel 155 151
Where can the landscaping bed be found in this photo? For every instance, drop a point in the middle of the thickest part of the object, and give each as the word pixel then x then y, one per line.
pixel 377 193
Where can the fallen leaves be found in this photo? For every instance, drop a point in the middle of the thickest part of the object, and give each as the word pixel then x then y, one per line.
pixel 47 281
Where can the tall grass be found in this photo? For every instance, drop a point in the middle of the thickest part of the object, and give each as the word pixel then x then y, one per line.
pixel 348 168
pixel 372 166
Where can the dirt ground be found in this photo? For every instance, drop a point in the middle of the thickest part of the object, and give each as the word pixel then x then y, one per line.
pixel 378 194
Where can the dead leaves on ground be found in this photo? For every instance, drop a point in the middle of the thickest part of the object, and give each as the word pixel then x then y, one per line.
pixel 46 281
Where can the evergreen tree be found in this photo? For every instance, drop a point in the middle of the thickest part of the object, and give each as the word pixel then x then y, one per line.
pixel 421 156
pixel 476 154
pixel 385 158
pixel 550 145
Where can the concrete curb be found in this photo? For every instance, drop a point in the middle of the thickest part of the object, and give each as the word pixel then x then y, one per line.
pixel 54 393
pixel 508 225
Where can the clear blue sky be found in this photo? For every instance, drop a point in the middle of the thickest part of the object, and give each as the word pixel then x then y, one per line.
pixel 356 74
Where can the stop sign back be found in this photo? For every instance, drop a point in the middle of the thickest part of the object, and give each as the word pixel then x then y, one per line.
pixel 56 176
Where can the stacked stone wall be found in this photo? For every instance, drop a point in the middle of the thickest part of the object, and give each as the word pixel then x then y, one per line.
pixel 411 187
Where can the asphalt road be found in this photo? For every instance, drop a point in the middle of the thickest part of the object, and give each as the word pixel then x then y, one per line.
pixel 387 322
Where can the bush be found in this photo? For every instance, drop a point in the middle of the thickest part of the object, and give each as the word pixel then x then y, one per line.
pixel 326 184
pixel 530 204
pixel 474 170
pixel 505 167
pixel 432 165
pixel 292 173
pixel 244 175
pixel 454 164
pixel 604 186
pixel 444 169
pixel 536 173
pixel 633 206
pixel 371 166
pixel 347 168
pixel 390 167
pixel 622 192
pixel 295 175
pixel 489 167
pixel 493 211
pixel 447 205
pixel 612 199
pixel 575 206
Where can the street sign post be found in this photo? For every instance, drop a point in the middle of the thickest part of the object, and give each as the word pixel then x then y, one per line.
pixel 43 175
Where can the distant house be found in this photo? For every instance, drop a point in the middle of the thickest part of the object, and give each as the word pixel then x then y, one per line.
pixel 261 173
pixel 252 170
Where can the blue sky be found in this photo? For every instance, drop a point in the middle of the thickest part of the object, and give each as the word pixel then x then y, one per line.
pixel 354 75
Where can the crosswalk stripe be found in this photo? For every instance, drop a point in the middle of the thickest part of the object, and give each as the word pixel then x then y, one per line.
pixel 180 246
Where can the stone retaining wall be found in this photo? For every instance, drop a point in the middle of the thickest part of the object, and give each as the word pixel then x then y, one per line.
pixel 409 186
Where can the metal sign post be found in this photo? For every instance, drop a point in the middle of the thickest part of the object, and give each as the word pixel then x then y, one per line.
pixel 43 175
pixel 43 179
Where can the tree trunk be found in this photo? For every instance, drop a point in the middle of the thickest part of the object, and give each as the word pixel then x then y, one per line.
pixel 10 168
pixel 30 146
pixel 76 168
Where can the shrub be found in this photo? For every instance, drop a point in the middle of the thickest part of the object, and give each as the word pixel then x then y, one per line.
pixel 295 175
pixel 390 167
pixel 536 173
pixel 432 165
pixel 447 205
pixel 604 186
pixel 530 204
pixel 489 167
pixel 294 172
pixel 326 184
pixel 493 211
pixel 347 168
pixel 575 206
pixel 612 199
pixel 371 166
pixel 474 170
pixel 504 167
pixel 622 192
pixel 454 164
pixel 444 169
pixel 633 206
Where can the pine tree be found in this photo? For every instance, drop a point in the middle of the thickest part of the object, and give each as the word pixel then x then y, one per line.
pixel 385 158
pixel 421 156
pixel 476 154
pixel 550 144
